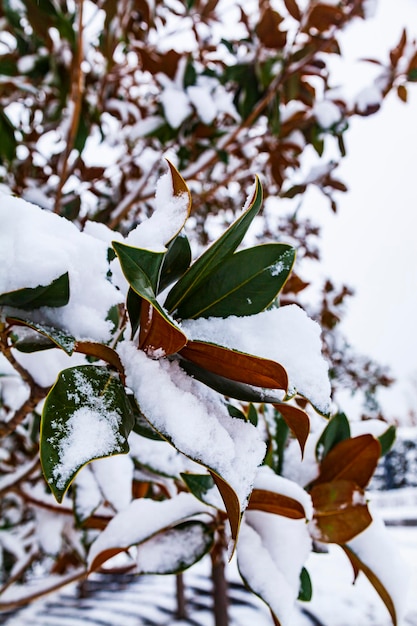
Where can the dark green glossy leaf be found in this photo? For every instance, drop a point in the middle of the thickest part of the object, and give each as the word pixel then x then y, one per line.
pixel 54 337
pixel 8 143
pixel 337 430
pixel 235 412
pixel 195 538
pixel 56 294
pixel 86 416
pixel 244 284
pixel 198 484
pixel 220 250
pixel 387 440
pixel 306 588
pixel 252 414
pixel 176 261
pixel 141 268
pixel 133 305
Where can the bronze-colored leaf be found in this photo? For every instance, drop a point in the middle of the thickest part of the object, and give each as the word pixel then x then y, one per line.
pixel 358 565
pixel 397 52
pixel 231 502
pixel 100 351
pixel 297 420
pixel 271 502
pixel 157 336
pixel 402 93
pixel 293 9
pixel 340 511
pixel 244 368
pixel 268 29
pixel 323 16
pixel 353 459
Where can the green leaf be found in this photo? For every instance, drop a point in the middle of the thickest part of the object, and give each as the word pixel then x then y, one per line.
pixel 86 416
pixel 53 336
pixel 306 588
pixel 235 412
pixel 214 255
pixel 141 268
pixel 244 284
pixel 252 415
pixel 8 143
pixel 56 294
pixel 387 440
pixel 176 261
pixel 337 430
pixel 195 538
pixel 198 484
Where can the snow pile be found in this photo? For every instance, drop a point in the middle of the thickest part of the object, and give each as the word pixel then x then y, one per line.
pixel 36 247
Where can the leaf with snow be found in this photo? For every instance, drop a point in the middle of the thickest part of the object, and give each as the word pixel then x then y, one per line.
pixel 375 554
pixel 195 420
pixel 176 549
pixel 55 337
pixel 140 521
pixel 285 335
pixel 86 416
pixel 55 294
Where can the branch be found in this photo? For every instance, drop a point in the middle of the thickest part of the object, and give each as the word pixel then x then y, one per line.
pixel 77 88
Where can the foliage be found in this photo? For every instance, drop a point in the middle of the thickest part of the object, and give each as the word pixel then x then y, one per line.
pixel 93 95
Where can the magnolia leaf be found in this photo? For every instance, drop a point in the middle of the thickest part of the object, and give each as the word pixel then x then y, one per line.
pixel 176 261
pixel 100 351
pixel 227 387
pixel 158 335
pixel 297 420
pixel 359 566
pixel 340 511
pixel 86 416
pixel 142 426
pixel 133 305
pixel 387 439
pixel 180 188
pixel 139 521
pixel 337 430
pixel 271 502
pixel 244 284
pixel 234 365
pixel 306 588
pixel 157 555
pixel 214 255
pixel 142 268
pixel 352 459
pixel 198 484
pixel 56 294
pixel 232 505
pixel 55 336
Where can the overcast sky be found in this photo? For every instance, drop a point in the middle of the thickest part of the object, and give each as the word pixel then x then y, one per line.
pixel 372 243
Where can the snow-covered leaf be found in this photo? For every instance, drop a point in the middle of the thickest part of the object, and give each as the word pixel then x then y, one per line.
pixel 375 553
pixel 56 294
pixel 86 416
pixel 174 550
pixel 244 368
pixel 140 521
pixel 54 336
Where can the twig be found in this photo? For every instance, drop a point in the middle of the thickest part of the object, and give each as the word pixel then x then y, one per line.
pixel 77 89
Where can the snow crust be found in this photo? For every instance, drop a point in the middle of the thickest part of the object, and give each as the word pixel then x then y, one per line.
pixel 285 335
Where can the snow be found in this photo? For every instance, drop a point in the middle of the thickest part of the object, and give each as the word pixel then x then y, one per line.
pixel 327 113
pixel 142 519
pixel 285 335
pixel 114 476
pixel 194 418
pixel 26 227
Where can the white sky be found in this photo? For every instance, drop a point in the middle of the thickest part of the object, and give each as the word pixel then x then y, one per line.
pixel 372 244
